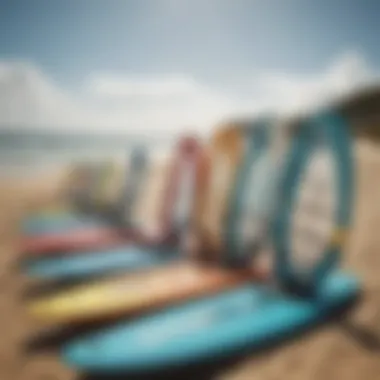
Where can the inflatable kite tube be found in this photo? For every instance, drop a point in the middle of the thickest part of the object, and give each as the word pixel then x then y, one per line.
pixel 249 316
pixel 252 315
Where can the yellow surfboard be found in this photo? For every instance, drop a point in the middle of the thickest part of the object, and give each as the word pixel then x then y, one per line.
pixel 135 293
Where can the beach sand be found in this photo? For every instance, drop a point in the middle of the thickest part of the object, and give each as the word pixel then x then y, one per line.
pixel 329 352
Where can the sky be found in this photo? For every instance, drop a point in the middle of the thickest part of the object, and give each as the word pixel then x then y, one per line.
pixel 166 65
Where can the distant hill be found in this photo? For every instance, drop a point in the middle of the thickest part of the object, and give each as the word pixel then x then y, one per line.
pixel 363 112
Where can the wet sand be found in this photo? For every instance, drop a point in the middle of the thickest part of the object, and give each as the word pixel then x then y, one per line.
pixel 331 352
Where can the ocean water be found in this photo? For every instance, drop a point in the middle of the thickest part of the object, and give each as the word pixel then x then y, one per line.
pixel 24 153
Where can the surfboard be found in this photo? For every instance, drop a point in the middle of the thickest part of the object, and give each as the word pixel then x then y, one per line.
pixel 248 317
pixel 310 289
pixel 128 295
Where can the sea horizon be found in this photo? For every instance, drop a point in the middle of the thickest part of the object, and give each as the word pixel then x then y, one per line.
pixel 26 151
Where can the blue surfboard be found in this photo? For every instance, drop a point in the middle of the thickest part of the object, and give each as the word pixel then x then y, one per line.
pixel 52 224
pixel 79 265
pixel 249 317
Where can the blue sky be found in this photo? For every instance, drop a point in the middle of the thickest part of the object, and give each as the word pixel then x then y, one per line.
pixel 218 42
pixel 69 38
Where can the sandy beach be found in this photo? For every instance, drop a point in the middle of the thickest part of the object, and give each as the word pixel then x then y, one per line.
pixel 327 353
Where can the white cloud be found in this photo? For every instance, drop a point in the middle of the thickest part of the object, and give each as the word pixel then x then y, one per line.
pixel 113 85
pixel 292 93
pixel 164 104
pixel 30 98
